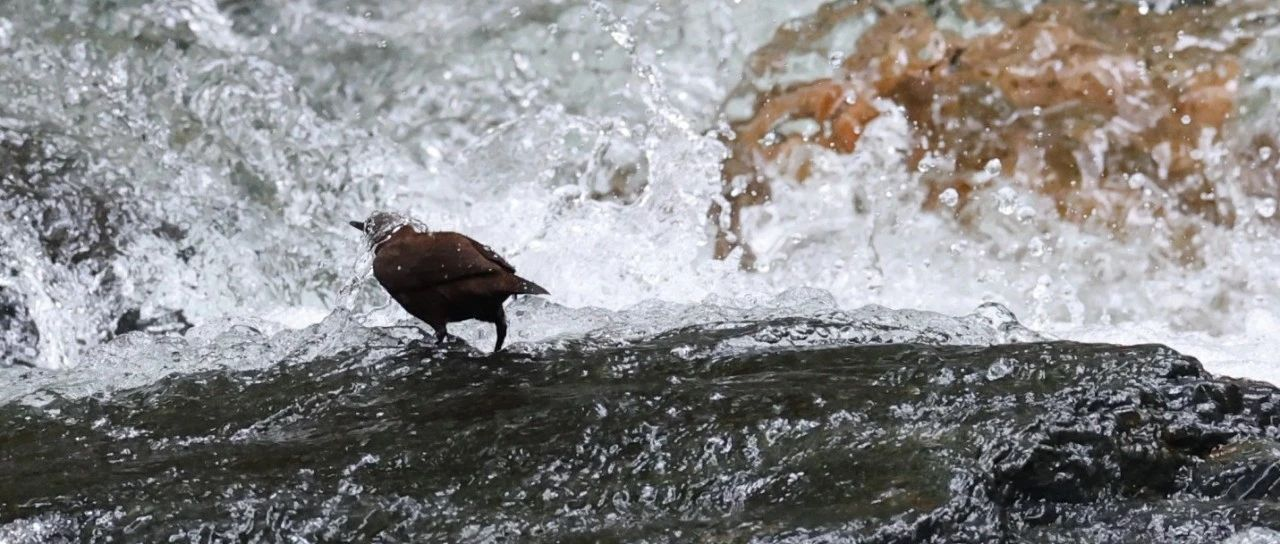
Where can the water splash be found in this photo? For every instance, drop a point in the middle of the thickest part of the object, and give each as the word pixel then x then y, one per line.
pixel 225 145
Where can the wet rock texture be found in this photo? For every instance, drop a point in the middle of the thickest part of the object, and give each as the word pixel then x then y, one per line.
pixel 19 338
pixel 687 435
pixel 1118 115
pixel 45 196
pixel 44 188
pixel 76 224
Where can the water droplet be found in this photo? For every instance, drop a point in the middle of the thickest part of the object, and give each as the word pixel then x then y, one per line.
pixel 835 58
pixel 6 33
pixel 993 167
pixel 1266 207
pixel 620 35
pixel 949 197
pixel 1006 199
pixel 1036 246
pixel 1186 119
pixel 521 61
pixel 999 369
pixel 1264 152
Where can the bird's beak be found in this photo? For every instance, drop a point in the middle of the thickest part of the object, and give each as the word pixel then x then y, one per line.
pixel 358 225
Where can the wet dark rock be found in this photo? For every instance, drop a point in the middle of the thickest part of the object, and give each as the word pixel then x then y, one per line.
pixel 1043 442
pixel 19 337
pixel 41 186
pixel 177 235
pixel 169 322
pixel 79 222
pixel 1249 470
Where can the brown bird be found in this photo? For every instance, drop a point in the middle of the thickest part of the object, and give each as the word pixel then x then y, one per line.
pixel 442 277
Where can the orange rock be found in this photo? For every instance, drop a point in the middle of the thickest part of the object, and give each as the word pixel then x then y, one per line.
pixel 1075 100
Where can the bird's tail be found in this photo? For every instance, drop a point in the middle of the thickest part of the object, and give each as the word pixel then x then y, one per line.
pixel 526 287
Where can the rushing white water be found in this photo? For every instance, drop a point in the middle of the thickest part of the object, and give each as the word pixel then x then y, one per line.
pixel 227 143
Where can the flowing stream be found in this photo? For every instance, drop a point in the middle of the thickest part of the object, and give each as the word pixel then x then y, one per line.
pixel 191 344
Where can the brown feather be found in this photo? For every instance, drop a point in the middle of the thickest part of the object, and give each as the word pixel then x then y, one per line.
pixel 412 261
pixel 443 277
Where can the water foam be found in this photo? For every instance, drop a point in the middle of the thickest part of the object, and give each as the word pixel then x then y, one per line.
pixel 259 131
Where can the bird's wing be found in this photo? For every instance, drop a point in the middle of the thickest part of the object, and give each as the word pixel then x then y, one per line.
pixel 491 256
pixel 419 261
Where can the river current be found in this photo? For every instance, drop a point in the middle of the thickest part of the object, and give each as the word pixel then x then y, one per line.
pixel 180 293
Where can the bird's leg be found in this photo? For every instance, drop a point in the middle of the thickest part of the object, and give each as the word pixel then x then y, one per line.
pixel 501 324
pixel 442 334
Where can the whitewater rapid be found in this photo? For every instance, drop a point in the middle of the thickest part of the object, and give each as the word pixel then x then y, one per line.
pixel 579 140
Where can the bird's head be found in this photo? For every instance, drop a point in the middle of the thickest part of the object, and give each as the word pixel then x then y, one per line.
pixel 379 226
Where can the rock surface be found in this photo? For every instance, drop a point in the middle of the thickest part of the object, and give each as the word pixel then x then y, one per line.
pixel 1116 115
pixel 19 338
pixel 704 430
